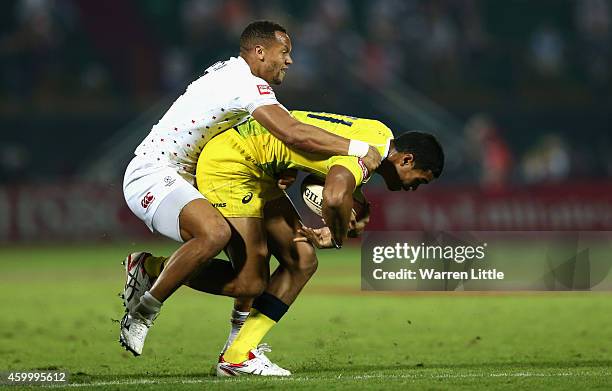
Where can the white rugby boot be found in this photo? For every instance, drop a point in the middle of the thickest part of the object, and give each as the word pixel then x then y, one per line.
pixel 134 326
pixel 134 329
pixel 256 364
pixel 137 282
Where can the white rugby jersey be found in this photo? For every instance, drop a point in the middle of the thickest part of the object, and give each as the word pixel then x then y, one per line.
pixel 224 96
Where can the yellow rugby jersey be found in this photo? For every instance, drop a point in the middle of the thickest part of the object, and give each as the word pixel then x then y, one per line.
pixel 272 156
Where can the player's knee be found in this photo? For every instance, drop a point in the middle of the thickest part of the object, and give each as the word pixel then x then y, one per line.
pixel 217 234
pixel 220 233
pixel 306 265
pixel 309 265
pixel 210 241
pixel 199 247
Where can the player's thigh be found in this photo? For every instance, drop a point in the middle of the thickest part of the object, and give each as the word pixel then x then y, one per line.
pixel 281 223
pixel 199 219
pixel 248 250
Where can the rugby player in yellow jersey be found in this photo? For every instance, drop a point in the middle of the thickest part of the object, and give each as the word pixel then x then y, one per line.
pixel 237 172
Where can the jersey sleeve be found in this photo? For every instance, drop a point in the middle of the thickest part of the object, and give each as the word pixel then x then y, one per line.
pixel 351 163
pixel 255 93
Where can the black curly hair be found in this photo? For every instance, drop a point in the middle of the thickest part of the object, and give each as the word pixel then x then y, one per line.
pixel 427 151
pixel 259 32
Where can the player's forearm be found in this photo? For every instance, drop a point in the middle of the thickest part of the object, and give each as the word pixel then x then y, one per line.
pixel 338 201
pixel 308 138
pixel 337 213
pixel 312 139
pixel 337 219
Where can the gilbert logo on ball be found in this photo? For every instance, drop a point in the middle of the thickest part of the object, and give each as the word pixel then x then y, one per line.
pixel 312 193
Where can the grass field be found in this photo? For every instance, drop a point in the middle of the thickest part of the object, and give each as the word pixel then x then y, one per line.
pixel 60 310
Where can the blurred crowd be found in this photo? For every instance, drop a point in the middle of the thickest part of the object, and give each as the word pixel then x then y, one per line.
pixel 85 56
pixel 548 158
pixel 51 47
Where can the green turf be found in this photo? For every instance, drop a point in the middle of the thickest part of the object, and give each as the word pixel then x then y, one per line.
pixel 60 310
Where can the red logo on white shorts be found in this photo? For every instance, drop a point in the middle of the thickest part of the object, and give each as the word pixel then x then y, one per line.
pixel 265 89
pixel 147 200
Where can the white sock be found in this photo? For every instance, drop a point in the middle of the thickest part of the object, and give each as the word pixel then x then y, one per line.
pixel 149 306
pixel 236 322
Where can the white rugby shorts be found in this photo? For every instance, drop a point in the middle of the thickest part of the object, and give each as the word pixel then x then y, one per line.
pixel 156 193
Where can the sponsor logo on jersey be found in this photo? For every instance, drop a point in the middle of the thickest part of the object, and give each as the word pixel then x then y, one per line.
pixel 169 181
pixel 247 198
pixel 147 200
pixel 364 171
pixel 219 205
pixel 265 89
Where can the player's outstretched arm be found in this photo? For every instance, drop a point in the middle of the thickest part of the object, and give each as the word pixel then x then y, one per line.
pixel 338 201
pixel 310 138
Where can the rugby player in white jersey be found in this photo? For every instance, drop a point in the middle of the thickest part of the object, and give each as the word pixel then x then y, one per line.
pixel 159 181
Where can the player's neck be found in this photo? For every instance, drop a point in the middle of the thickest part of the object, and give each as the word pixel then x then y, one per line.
pixel 392 151
pixel 251 63
pixel 386 167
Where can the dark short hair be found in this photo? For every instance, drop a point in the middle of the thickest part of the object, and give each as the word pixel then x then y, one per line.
pixel 427 151
pixel 258 32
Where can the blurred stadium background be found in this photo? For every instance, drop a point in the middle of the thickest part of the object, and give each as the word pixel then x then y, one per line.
pixel 519 92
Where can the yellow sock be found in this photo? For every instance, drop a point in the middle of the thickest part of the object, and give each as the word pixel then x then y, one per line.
pixel 254 329
pixel 154 265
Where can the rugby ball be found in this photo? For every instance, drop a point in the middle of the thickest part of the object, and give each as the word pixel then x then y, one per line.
pixel 312 195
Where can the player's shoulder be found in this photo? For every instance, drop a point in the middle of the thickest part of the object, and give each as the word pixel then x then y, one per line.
pixel 247 82
pixel 242 70
pixel 234 69
pixel 232 78
pixel 375 126
pixel 383 129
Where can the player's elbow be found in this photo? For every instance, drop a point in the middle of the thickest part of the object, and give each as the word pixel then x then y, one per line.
pixel 334 197
pixel 338 190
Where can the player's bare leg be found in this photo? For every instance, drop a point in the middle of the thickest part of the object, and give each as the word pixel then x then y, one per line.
pixel 298 263
pixel 246 276
pixel 246 279
pixel 248 273
pixel 142 275
pixel 242 306
pixel 248 250
pixel 205 233
pixel 298 260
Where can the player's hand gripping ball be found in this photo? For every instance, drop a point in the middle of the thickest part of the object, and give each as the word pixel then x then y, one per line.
pixel 312 195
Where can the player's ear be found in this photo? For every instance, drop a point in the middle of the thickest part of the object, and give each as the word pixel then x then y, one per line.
pixel 259 52
pixel 408 159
